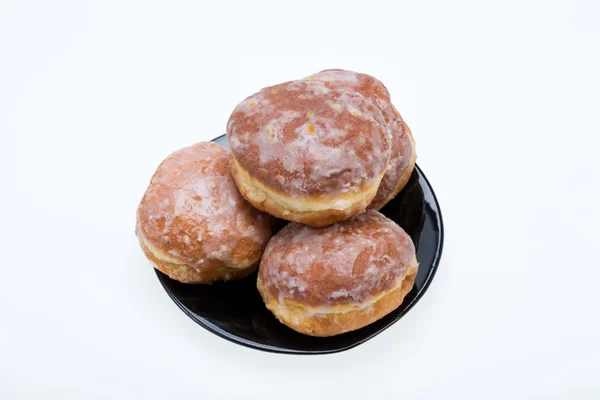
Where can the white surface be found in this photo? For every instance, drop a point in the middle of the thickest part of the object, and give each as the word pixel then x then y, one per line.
pixel 504 104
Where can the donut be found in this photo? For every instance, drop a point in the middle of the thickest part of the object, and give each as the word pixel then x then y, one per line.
pixel 403 152
pixel 336 279
pixel 308 151
pixel 192 222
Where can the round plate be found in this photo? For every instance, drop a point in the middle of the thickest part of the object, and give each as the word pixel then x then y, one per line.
pixel 235 311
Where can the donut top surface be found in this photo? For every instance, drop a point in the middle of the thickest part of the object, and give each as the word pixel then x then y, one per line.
pixel 373 89
pixel 345 263
pixel 193 211
pixel 310 137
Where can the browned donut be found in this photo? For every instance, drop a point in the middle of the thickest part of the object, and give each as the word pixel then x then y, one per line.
pixel 403 154
pixel 194 225
pixel 309 152
pixel 327 281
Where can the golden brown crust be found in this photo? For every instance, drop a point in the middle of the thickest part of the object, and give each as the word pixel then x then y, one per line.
pixel 302 320
pixel 286 207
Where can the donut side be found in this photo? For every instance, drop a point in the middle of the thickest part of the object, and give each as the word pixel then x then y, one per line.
pixel 210 270
pixel 317 211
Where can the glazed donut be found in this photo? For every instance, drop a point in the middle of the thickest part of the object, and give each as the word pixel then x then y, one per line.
pixel 309 152
pixel 403 156
pixel 194 225
pixel 327 281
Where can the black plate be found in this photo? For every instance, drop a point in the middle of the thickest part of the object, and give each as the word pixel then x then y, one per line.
pixel 235 311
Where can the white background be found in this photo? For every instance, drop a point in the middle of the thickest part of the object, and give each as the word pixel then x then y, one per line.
pixel 504 102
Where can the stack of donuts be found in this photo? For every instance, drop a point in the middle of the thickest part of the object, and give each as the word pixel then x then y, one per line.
pixel 324 152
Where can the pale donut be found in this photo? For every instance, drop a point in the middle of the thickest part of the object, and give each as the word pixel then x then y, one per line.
pixel 194 225
pixel 327 281
pixel 308 151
